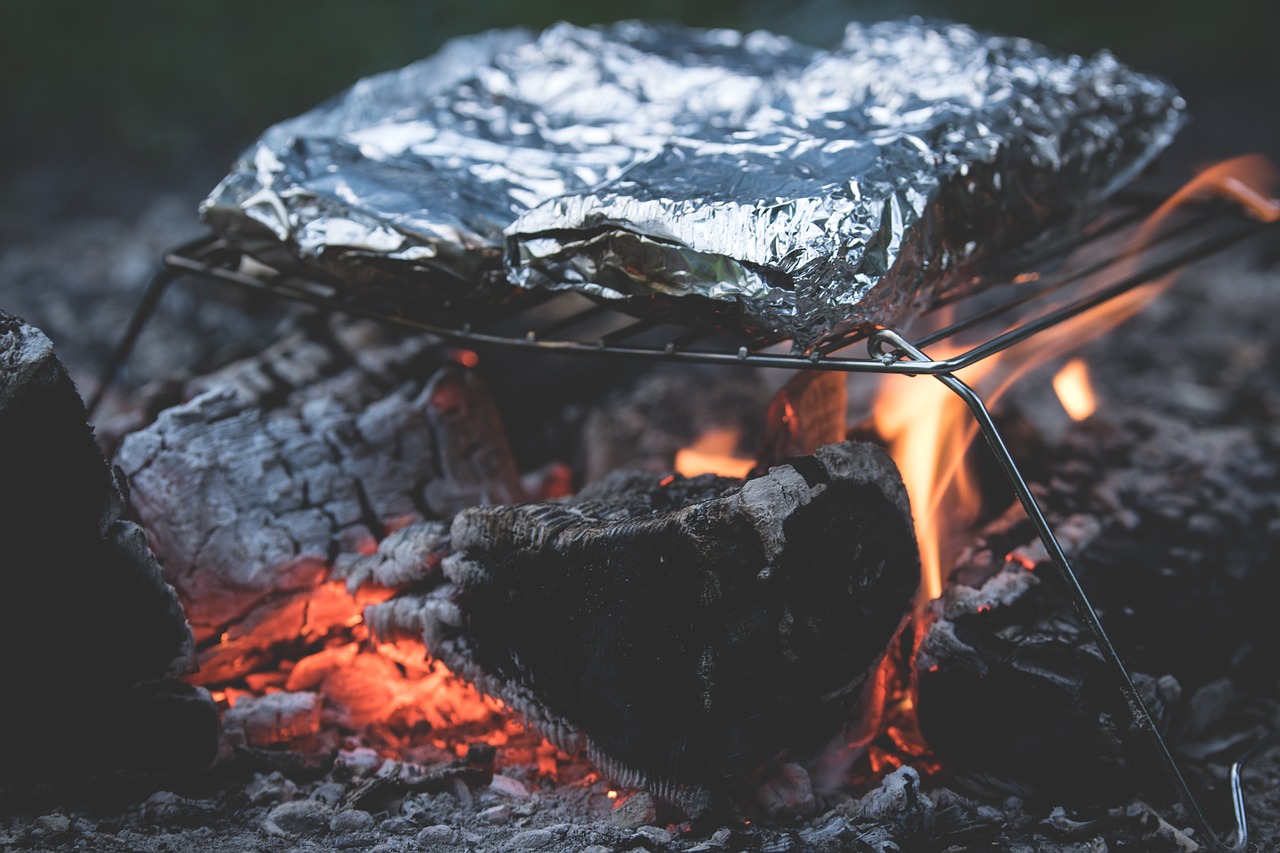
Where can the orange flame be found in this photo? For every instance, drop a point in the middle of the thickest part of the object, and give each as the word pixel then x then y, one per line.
pixel 714 453
pixel 929 429
pixel 1074 389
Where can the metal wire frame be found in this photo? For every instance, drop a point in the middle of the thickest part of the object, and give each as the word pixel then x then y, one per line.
pixel 545 322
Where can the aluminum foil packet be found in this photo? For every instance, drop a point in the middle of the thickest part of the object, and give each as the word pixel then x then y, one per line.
pixel 738 179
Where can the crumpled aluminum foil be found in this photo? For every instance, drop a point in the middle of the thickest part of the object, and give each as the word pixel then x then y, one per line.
pixel 744 180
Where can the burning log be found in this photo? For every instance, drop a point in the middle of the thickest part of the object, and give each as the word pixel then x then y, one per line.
pixel 1171 531
pixel 251 490
pixel 684 631
pixel 92 634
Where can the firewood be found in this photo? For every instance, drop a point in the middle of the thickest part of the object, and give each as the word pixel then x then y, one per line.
pixel 684 631
pixel 92 636
pixel 1167 528
pixel 248 497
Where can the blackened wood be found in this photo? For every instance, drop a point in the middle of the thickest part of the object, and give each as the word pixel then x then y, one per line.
pixel 1171 531
pixel 250 491
pixel 87 623
pixel 684 631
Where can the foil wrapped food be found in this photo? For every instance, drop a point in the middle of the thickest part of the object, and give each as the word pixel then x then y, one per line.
pixel 742 180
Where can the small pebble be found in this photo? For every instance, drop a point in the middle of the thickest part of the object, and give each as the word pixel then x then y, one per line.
pixel 496 815
pixel 51 826
pixel 300 817
pixel 656 834
pixel 360 761
pixel 441 833
pixel 330 793
pixel 509 787
pixel 640 809
pixel 352 820
pixel 267 790
pixel 531 839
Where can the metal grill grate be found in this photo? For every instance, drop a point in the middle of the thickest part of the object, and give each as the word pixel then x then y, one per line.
pixel 1059 282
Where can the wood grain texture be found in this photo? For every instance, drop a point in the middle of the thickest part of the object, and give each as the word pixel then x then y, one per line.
pixel 684 631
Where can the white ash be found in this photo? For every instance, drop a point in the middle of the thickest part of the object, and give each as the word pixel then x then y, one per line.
pixel 276 718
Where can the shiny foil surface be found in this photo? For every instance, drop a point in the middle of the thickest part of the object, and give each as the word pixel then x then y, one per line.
pixel 741 180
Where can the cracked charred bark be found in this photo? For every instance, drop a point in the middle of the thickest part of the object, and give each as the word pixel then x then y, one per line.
pixel 684 631
pixel 251 490
pixel 1173 533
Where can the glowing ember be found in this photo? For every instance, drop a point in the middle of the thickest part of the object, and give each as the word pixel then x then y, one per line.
pixel 927 429
pixel 1074 391
pixel 393 695
pixel 714 453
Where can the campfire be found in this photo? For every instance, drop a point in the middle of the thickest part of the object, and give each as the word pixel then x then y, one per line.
pixel 714 593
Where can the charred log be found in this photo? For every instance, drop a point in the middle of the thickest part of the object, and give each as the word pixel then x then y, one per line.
pixel 684 631
pixel 92 635
pixel 249 493
pixel 1172 532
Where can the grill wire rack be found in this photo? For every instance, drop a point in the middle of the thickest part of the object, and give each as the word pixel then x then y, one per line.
pixel 1041 290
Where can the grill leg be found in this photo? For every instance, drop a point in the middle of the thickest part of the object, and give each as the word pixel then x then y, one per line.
pixel 124 348
pixel 898 347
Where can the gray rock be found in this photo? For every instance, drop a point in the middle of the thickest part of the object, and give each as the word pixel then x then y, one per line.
pixel 441 833
pixel 361 761
pixel 509 787
pixel 638 810
pixel 330 793
pixel 352 820
pixel 655 835
pixel 497 815
pixel 166 808
pixel 266 790
pixel 531 839
pixel 298 818
pixel 51 826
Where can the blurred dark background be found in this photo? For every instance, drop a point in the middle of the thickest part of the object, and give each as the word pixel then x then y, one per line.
pixel 119 117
